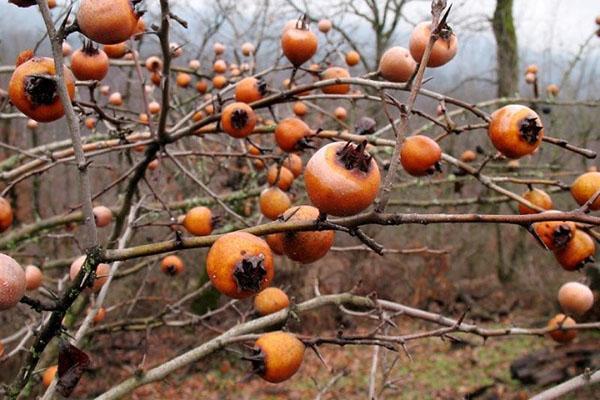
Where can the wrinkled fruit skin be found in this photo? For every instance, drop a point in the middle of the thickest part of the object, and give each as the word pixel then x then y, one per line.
pixel 516 130
pixel 107 21
pixel 337 190
pixel 305 247
pixel 282 356
pixel 36 96
pixel 12 282
pixel 240 259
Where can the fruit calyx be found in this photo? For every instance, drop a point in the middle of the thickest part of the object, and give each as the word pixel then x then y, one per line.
pixel 239 118
pixel 257 358
pixel 355 157
pixel 41 89
pixel 530 129
pixel 262 87
pixel 302 22
pixel 249 272
pixel 562 235
pixel 89 48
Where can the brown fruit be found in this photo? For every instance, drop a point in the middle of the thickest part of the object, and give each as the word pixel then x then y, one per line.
pixel 6 214
pixel 273 202
pixel 532 69
pixel 12 282
pixel 247 49
pixel 342 179
pixel 555 234
pixel 36 95
pixel 335 73
pixel 299 44
pixel 275 242
pixel 154 107
pixel 444 49
pixel 270 301
pixel 143 119
pixel 89 63
pixel 103 216
pixel 468 156
pixel 352 58
pixel 250 89
pixel 116 51
pixel 33 277
pixel 219 48
pixel 238 120
pixel 240 264
pixel 305 247
pixel 107 21
pixel 293 162
pixel 420 155
pixel 575 298
pixel 172 265
pixel 537 197
pixel 560 335
pixel 516 130
pixel 278 356
pixel 48 375
pixel 282 177
pixel 397 65
pixel 154 64
pixel 199 221
pixel 292 134
pixel 579 251
pixel 584 187
pixel 102 271
pixel 552 89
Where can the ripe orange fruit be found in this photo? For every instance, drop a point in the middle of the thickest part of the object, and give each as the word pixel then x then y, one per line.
pixel 116 51
pixel 37 96
pixel 103 216
pixel 537 197
pixel 89 63
pixel 183 80
pixel 238 120
pixel 305 247
pixel 270 301
pixel 154 107
pixel 516 130
pixel 342 179
pixel 6 214
pixel 247 49
pixel 579 251
pixel 99 316
pixel 555 234
pixel 90 123
pixel 199 221
pixel 293 162
pixel 219 48
pixel 278 356
pixel 107 21
pixel 397 65
pixel 352 58
pixel 584 187
pixel 335 73
pixel 468 156
pixel 532 69
pixel 33 277
pixel 102 271
pixel 300 109
pixel 275 242
pixel 202 86
pixel 292 134
pixel 220 67
pixel 444 49
pixel 575 298
pixel 240 264
pixel 282 177
pixel 420 155
pixel 172 265
pixel 48 375
pixel 12 281
pixel 340 113
pixel 115 99
pixel 560 335
pixel 299 44
pixel 273 202
pixel 250 89
pixel 219 81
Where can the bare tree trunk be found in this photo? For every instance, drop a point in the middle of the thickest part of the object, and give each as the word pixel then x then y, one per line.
pixel 507 49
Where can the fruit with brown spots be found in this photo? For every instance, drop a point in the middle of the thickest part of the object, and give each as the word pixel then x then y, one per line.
pixel 13 282
pixel 277 356
pixel 342 179
pixel 555 234
pixel 240 264
pixel 516 130
pixel 238 120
